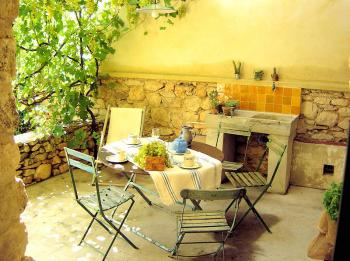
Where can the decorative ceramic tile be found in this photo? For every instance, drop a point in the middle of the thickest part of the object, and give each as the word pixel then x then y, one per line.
pixel 263 98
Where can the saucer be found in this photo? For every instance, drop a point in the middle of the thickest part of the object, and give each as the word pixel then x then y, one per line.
pixel 127 142
pixel 194 166
pixel 115 159
pixel 177 153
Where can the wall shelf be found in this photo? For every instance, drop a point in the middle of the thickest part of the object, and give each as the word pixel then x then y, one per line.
pixel 330 86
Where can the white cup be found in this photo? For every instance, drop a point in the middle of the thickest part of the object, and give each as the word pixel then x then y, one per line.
pixel 189 160
pixel 133 139
pixel 120 155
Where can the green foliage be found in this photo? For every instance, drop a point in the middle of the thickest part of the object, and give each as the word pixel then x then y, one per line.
pixel 97 137
pixel 236 67
pixel 258 75
pixel 231 103
pixel 155 148
pixel 78 140
pixel 60 47
pixel 213 97
pixel 331 200
pixel 23 126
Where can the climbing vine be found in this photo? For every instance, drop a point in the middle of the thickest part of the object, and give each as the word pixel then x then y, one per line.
pixel 60 47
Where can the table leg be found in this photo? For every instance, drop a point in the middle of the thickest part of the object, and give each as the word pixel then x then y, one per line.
pixel 136 186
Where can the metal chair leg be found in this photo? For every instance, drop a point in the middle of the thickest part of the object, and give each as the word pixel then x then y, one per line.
pixel 229 206
pixel 251 206
pixel 121 225
pixel 110 246
pixel 177 245
pixel 88 228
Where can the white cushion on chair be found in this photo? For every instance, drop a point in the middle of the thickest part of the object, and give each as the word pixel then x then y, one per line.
pixel 124 121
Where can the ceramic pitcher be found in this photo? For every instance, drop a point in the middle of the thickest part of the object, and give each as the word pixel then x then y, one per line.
pixel 186 134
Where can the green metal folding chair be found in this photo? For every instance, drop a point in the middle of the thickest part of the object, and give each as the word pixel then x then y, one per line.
pixel 257 180
pixel 229 128
pixel 102 201
pixel 191 222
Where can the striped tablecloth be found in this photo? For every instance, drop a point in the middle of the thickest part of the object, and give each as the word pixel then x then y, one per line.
pixel 171 181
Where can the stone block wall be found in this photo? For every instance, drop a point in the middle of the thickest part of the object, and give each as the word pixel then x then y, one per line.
pixel 325 116
pixel 169 104
pixel 13 237
pixel 44 157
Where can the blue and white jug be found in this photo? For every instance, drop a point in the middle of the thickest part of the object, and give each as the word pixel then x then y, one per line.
pixel 179 145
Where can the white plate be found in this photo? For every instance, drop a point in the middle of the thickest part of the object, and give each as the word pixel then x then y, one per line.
pixel 126 141
pixel 115 159
pixel 195 166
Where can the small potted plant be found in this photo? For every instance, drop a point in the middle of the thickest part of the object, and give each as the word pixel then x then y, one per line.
pixel 153 156
pixel 321 247
pixel 237 68
pixel 258 75
pixel 275 77
pixel 229 107
pixel 216 106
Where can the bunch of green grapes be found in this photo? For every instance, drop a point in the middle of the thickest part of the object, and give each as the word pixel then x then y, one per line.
pixel 119 2
pixel 143 3
pixel 73 4
pixel 155 148
pixel 91 6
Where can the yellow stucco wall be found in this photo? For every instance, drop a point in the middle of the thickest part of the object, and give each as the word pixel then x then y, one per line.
pixel 307 40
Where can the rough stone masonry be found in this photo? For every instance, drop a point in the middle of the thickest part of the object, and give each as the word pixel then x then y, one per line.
pixel 13 238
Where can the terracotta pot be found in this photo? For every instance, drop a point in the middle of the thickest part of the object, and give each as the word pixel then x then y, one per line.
pixel 214 111
pixel 155 163
pixel 219 108
pixel 229 111
pixel 322 246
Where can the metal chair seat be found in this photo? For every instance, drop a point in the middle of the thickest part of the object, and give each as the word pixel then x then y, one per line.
pixel 246 179
pixel 203 221
pixel 111 197
pixel 230 165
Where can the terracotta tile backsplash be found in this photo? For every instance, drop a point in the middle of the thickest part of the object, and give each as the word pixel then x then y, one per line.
pixel 261 98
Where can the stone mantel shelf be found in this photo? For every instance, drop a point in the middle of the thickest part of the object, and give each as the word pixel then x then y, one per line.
pixel 331 86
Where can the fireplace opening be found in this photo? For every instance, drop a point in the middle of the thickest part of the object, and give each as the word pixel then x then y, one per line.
pixel 234 148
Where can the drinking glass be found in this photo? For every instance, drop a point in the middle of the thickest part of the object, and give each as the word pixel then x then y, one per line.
pixel 155 133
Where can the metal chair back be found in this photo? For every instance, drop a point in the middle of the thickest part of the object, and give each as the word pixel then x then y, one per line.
pixel 221 194
pixel 85 163
pixel 275 146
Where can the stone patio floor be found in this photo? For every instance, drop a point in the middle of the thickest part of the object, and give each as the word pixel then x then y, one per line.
pixel 55 224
